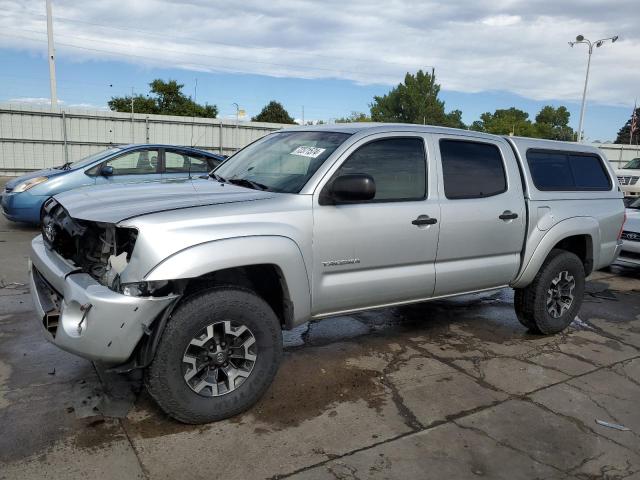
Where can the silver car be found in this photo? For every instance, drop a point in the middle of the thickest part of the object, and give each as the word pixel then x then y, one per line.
pixel 630 250
pixel 194 282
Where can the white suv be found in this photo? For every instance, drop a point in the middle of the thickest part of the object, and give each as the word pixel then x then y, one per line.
pixel 628 177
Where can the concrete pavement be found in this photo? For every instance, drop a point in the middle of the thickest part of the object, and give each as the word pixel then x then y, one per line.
pixel 447 389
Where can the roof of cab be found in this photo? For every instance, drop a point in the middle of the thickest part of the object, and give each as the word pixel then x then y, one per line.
pixel 374 127
pixel 522 144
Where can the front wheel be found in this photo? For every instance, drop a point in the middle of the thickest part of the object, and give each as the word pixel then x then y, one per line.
pixel 550 303
pixel 217 356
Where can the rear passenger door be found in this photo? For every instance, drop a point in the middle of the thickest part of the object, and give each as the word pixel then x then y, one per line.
pixel 482 223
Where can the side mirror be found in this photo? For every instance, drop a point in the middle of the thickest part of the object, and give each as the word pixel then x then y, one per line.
pixel 106 170
pixel 350 188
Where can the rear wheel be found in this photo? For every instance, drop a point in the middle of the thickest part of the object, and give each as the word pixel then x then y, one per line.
pixel 217 356
pixel 550 303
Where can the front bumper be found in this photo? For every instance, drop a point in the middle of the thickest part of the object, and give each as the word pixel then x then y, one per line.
pixel 83 317
pixel 22 207
pixel 631 190
pixel 629 252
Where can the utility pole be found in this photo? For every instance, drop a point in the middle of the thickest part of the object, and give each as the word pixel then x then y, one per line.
pixel 52 59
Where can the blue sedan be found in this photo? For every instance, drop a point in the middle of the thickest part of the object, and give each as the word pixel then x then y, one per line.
pixel 23 196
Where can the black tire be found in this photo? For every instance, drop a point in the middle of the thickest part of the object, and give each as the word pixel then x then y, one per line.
pixel 164 378
pixel 530 302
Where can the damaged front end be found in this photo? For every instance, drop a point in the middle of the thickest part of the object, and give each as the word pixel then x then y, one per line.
pixel 102 250
pixel 75 284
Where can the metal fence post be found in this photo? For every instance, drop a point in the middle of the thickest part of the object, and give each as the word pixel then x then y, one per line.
pixel 220 127
pixel 146 121
pixel 64 137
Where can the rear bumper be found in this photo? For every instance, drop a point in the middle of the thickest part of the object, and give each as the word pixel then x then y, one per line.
pixel 83 317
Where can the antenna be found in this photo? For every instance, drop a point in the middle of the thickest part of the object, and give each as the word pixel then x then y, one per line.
pixel 193 119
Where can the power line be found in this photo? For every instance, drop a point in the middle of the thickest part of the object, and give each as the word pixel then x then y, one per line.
pixel 226 44
pixel 168 50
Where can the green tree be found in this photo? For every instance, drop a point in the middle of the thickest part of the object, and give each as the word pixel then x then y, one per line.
pixel 273 112
pixel 505 122
pixel 354 117
pixel 415 101
pixel 141 104
pixel 166 98
pixel 625 132
pixel 553 124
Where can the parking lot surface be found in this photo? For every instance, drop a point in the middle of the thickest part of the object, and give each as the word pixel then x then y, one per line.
pixel 446 389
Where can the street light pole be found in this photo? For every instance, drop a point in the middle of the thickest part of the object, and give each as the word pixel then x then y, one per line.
pixel 597 44
pixel 584 97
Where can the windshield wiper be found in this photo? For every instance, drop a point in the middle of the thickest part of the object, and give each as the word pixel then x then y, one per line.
pixel 217 177
pixel 248 183
pixel 66 166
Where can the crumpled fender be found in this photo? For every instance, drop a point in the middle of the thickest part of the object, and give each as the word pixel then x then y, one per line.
pixel 546 240
pixel 217 255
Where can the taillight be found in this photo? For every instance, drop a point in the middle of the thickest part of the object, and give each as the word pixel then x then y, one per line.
pixel 624 219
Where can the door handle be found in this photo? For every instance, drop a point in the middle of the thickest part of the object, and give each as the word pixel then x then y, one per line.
pixel 508 215
pixel 424 220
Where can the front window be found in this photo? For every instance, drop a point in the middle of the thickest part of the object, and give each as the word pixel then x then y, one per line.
pixel 281 162
pixel 633 164
pixel 397 165
pixel 139 162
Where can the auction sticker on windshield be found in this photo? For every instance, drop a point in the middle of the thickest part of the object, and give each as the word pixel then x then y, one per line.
pixel 311 152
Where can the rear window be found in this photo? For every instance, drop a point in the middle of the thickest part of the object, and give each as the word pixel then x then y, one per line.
pixel 567 171
pixel 471 169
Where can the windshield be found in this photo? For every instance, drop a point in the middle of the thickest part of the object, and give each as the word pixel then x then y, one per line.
pixel 281 162
pixel 90 159
pixel 633 164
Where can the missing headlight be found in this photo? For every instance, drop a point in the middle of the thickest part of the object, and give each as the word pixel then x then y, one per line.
pixel 160 288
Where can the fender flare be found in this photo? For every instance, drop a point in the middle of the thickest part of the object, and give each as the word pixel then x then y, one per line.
pixel 545 241
pixel 216 255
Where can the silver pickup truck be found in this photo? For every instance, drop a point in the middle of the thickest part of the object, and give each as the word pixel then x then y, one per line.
pixel 194 281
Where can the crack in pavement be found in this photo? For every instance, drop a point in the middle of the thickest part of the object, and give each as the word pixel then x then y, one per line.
pixel 455 420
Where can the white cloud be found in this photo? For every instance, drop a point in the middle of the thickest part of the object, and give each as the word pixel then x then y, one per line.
pixel 502 20
pixel 33 100
pixel 519 46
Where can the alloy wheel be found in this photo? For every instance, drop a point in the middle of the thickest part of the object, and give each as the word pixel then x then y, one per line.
pixel 219 359
pixel 560 294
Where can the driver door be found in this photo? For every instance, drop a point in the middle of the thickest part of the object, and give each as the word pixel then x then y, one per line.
pixel 376 252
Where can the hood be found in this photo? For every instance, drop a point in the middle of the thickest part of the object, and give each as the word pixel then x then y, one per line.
pixel 47 172
pixel 627 172
pixel 117 202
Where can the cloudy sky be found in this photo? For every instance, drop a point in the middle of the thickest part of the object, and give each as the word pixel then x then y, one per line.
pixel 330 56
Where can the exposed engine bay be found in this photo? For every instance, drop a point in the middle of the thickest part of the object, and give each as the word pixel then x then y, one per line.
pixel 102 250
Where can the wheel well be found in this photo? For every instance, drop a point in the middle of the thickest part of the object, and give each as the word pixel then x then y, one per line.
pixel 580 245
pixel 266 280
